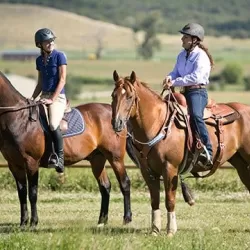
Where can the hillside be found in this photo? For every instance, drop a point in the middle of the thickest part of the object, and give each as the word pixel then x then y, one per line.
pixel 74 32
pixel 224 17
pixel 80 33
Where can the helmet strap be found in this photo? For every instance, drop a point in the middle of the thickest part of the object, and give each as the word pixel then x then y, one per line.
pixel 43 51
pixel 193 45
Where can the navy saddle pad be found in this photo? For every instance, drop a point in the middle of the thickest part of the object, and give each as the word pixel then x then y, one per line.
pixel 76 124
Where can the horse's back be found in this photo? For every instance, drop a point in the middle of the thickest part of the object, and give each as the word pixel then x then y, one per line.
pixel 243 109
pixel 95 110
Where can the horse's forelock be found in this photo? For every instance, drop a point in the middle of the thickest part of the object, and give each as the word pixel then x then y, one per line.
pixel 129 86
pixel 125 83
pixel 119 82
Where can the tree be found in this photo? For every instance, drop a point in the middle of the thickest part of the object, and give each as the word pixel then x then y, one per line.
pixel 232 73
pixel 148 24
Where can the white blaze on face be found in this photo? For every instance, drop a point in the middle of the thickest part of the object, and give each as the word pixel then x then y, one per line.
pixel 123 91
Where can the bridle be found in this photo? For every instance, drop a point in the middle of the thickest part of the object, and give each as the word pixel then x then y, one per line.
pixel 135 98
pixel 160 135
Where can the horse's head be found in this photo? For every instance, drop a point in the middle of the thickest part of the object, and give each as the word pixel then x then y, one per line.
pixel 124 100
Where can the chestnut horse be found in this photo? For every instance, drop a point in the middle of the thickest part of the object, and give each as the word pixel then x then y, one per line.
pixel 149 116
pixel 22 143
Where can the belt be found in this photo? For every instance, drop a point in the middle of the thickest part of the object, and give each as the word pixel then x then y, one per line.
pixel 198 86
pixel 47 93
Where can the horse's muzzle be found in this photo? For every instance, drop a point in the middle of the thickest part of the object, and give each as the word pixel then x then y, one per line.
pixel 118 124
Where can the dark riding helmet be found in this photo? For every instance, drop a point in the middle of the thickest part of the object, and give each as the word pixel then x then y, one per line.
pixel 43 35
pixel 193 29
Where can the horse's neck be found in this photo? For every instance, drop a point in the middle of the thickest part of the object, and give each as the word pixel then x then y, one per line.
pixel 151 114
pixel 9 97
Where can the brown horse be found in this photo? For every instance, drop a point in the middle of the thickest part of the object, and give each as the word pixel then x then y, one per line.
pixel 22 143
pixel 150 117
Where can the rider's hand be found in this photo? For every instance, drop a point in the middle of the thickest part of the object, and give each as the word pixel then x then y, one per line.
pixel 167 82
pixel 46 101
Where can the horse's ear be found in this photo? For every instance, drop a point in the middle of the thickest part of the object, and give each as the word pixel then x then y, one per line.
pixel 115 76
pixel 132 77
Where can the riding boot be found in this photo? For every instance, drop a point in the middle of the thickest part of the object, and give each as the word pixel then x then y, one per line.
pixel 206 158
pixel 58 146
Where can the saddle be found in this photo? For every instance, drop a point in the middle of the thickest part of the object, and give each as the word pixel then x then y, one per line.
pixel 215 114
pixel 71 124
pixel 212 112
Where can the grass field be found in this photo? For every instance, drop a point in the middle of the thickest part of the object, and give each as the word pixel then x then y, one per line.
pixel 68 221
pixel 68 216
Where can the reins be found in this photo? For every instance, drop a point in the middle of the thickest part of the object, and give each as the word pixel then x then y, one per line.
pixel 15 108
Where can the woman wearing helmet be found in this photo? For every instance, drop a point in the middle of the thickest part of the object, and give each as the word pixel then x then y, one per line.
pixel 51 66
pixel 191 71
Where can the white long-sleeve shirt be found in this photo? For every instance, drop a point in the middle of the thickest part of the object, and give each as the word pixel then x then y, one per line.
pixel 193 70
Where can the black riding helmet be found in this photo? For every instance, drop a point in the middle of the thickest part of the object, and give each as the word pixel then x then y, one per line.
pixel 193 29
pixel 43 35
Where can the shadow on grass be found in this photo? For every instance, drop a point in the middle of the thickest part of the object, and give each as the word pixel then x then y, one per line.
pixel 6 228
pixel 9 228
pixel 116 230
pixel 247 230
pixel 195 230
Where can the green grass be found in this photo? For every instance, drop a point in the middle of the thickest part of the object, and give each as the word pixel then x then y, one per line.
pixel 214 222
pixel 82 180
pixel 68 216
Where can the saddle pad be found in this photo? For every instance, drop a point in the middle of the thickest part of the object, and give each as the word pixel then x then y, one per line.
pixel 75 121
pixel 74 118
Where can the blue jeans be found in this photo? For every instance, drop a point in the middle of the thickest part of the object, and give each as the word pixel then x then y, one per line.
pixel 196 101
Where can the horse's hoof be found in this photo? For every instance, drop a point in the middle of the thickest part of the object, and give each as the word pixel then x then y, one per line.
pixel 23 228
pixel 126 221
pixel 170 235
pixel 155 234
pixel 100 225
pixel 191 203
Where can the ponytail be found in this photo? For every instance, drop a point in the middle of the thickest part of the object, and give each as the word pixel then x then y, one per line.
pixel 201 46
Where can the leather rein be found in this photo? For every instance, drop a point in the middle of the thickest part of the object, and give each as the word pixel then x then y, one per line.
pixel 15 108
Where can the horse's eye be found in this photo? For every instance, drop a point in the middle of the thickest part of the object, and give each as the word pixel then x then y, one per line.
pixel 130 97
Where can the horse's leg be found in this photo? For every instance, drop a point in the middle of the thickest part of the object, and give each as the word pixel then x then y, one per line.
pixel 33 185
pixel 170 183
pixel 154 190
pixel 20 177
pixel 242 168
pixel 97 163
pixel 124 182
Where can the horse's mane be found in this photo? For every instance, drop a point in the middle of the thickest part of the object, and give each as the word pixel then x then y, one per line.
pixel 145 85
pixel 7 81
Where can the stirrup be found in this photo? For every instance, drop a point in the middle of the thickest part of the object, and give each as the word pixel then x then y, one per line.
pixel 53 161
pixel 205 159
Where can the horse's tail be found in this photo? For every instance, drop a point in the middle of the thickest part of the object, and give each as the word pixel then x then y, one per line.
pixel 131 152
